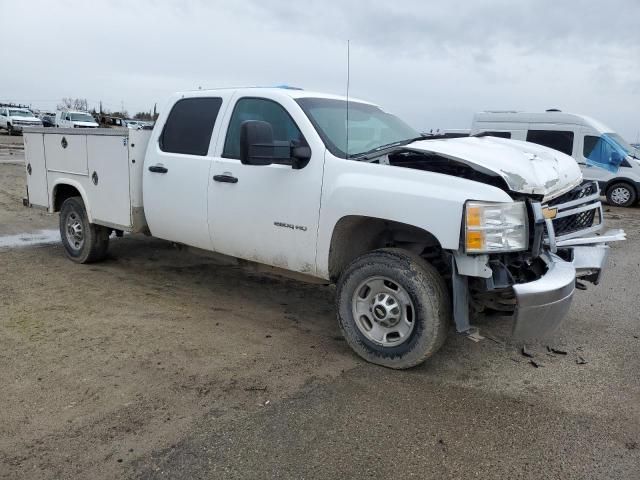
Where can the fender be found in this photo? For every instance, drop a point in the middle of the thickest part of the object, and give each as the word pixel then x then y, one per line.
pixel 431 201
pixel 78 186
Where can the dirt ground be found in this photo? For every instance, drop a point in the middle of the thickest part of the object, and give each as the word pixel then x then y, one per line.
pixel 159 363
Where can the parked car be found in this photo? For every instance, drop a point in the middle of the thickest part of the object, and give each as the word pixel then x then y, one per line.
pixel 75 119
pixel 413 232
pixel 13 120
pixel 48 120
pixel 591 143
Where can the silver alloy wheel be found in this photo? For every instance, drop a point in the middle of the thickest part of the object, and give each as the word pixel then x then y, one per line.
pixel 383 311
pixel 74 231
pixel 620 195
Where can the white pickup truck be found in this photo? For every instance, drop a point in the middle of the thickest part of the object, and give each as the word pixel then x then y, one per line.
pixel 413 232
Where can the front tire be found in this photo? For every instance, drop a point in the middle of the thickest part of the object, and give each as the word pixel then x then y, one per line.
pixel 10 129
pixel 621 194
pixel 393 308
pixel 83 242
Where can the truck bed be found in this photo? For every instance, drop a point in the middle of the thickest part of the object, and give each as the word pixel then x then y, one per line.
pixel 103 164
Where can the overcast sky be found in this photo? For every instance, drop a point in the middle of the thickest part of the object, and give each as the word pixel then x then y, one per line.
pixel 432 63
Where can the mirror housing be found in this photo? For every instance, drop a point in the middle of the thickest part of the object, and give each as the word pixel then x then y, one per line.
pixel 257 147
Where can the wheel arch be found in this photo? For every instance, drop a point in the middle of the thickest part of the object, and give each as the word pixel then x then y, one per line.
pixel 355 235
pixel 66 188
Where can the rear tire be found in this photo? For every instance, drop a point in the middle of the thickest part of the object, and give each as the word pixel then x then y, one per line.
pixel 393 308
pixel 83 242
pixel 621 194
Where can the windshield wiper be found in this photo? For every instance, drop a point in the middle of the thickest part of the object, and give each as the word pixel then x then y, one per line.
pixel 385 147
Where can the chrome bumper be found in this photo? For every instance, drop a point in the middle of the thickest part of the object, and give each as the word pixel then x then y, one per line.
pixel 541 305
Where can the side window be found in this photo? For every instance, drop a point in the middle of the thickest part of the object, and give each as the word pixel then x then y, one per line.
pixel 284 128
pixel 558 140
pixel 189 126
pixel 496 134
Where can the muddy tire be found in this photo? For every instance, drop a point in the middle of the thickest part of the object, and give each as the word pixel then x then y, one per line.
pixel 393 308
pixel 83 242
pixel 621 194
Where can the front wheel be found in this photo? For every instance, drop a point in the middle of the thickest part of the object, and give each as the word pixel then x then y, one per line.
pixel 10 129
pixel 393 308
pixel 621 195
pixel 83 242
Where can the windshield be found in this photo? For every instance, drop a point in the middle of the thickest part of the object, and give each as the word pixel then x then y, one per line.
pixel 20 113
pixel 369 126
pixel 607 151
pixel 81 117
pixel 621 143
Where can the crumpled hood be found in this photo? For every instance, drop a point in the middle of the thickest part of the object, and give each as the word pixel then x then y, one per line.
pixel 525 167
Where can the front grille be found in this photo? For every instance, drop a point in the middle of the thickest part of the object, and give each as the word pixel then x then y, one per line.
pixel 579 211
pixel 581 191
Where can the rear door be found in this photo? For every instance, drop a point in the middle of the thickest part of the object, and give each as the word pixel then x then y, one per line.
pixel 176 171
pixel 267 214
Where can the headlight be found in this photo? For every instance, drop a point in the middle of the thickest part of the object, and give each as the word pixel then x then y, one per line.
pixel 495 227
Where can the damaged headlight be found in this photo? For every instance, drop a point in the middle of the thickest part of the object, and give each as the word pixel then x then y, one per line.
pixel 495 227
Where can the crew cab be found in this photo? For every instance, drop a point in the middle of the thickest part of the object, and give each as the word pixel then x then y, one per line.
pixel 13 119
pixel 416 234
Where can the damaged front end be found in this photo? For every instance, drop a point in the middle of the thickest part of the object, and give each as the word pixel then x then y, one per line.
pixel 536 286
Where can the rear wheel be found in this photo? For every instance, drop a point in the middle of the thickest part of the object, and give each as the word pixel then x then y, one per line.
pixel 83 242
pixel 393 308
pixel 621 194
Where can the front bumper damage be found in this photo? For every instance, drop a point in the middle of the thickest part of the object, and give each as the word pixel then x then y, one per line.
pixel 564 261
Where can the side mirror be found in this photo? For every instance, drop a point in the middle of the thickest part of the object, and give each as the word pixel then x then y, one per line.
pixel 257 146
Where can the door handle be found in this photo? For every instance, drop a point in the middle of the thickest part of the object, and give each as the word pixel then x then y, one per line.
pixel 158 169
pixel 225 178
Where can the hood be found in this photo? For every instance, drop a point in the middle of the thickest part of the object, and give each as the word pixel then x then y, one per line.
pixel 525 167
pixel 84 124
pixel 25 119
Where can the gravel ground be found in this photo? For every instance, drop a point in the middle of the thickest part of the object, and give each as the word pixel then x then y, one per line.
pixel 159 363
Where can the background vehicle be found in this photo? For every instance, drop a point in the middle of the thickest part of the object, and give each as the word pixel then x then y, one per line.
pixel 588 141
pixel 75 119
pixel 135 124
pixel 413 232
pixel 14 119
pixel 48 120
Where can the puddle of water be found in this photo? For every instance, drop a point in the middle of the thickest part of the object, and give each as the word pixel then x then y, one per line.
pixel 41 237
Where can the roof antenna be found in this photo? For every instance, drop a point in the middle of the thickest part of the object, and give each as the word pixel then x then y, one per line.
pixel 348 69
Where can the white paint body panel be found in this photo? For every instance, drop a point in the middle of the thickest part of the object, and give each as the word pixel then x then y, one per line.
pixel 243 215
pixel 428 200
pixel 108 152
pixel 37 179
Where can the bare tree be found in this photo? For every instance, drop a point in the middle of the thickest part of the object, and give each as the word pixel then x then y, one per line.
pixel 69 103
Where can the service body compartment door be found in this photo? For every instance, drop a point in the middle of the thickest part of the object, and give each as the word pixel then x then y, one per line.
pixel 108 189
pixel 36 169
pixel 66 153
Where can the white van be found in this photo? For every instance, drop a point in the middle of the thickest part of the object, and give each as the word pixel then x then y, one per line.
pixel 588 141
pixel 75 119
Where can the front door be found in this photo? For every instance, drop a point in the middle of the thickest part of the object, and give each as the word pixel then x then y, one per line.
pixel 267 214
pixel 176 171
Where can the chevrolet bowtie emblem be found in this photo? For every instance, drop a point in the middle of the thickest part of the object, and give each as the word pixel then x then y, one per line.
pixel 549 213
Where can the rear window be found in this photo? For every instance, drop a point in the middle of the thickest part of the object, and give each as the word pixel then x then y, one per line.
pixel 558 140
pixel 189 126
